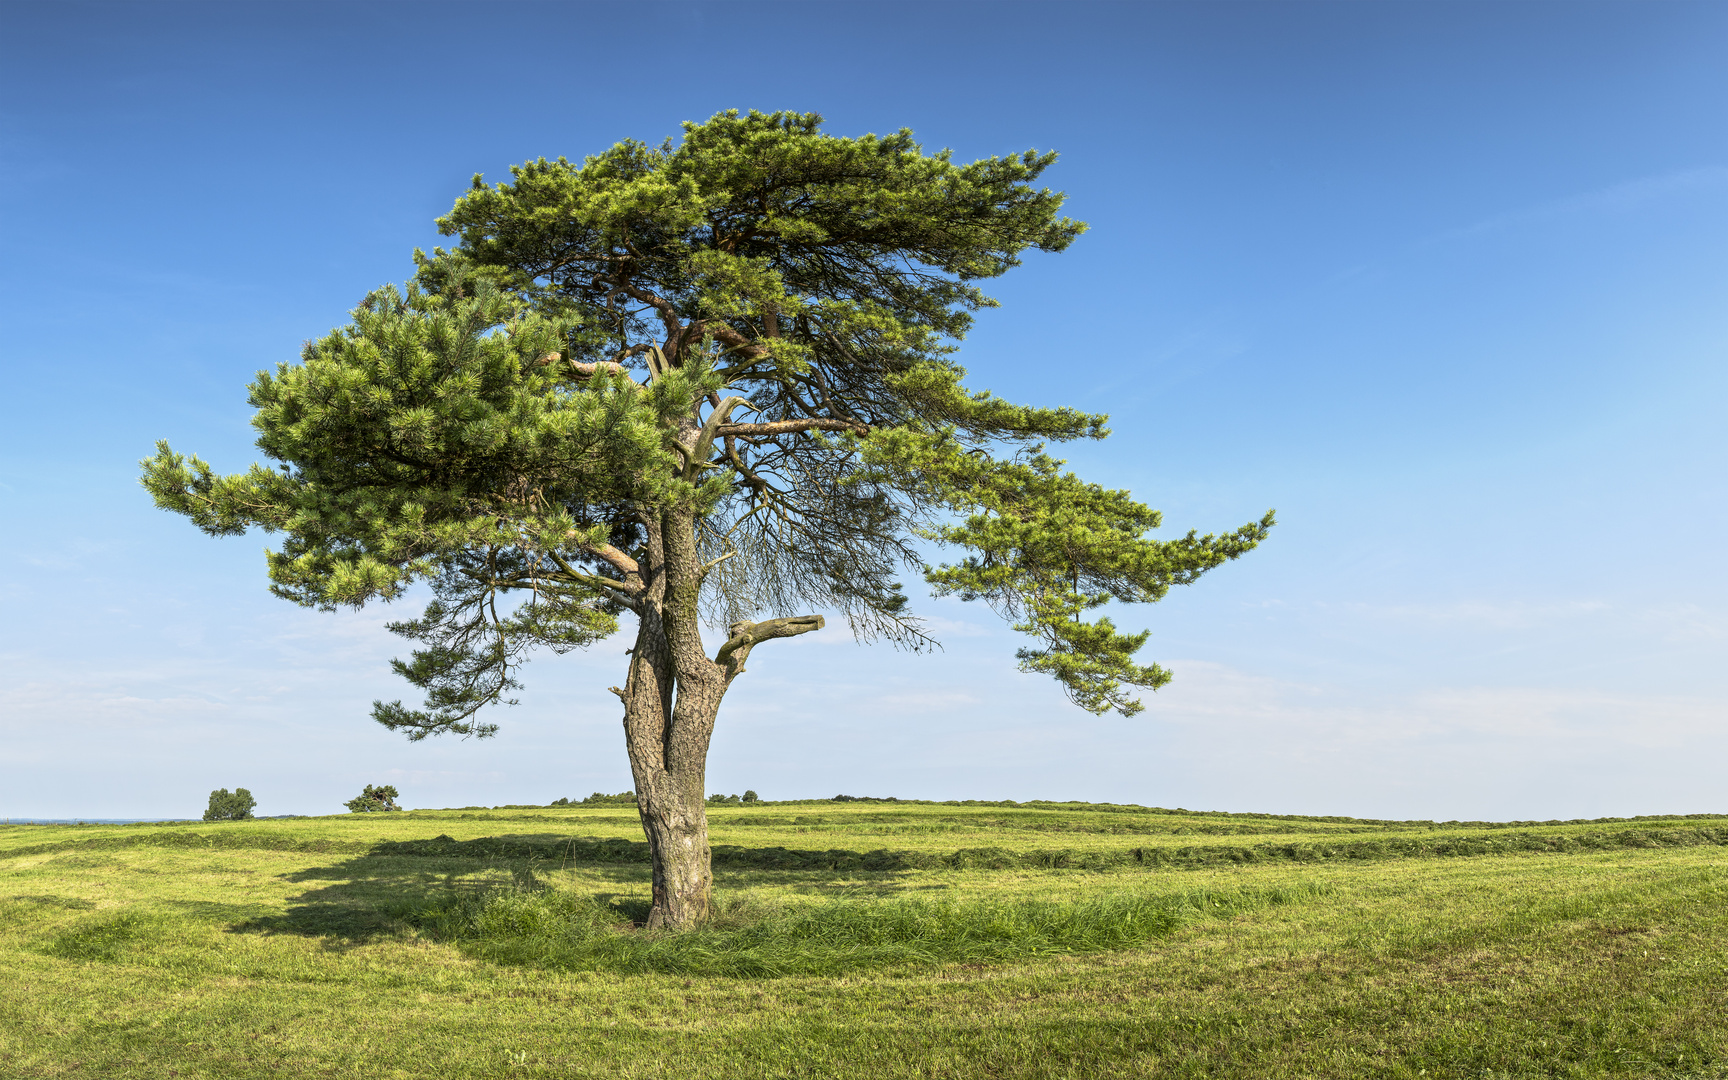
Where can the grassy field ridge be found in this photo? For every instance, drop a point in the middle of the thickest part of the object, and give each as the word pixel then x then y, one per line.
pixel 868 938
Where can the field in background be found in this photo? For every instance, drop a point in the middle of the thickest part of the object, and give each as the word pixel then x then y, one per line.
pixel 868 939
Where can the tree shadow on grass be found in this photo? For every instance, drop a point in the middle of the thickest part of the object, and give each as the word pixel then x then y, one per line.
pixel 370 896
pixel 367 897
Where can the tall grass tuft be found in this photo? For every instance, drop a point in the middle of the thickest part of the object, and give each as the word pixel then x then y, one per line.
pixel 560 929
pixel 104 939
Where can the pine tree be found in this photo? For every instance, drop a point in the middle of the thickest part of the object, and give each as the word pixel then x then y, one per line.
pixel 374 799
pixel 703 383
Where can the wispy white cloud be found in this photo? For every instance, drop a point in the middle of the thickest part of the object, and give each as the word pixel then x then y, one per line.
pixel 73 554
pixel 1612 199
pixel 1332 718
pixel 1683 622
pixel 940 628
pixel 1668 622
pixel 926 701
pixel 1504 615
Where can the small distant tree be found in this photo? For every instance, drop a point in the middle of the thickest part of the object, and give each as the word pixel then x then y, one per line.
pixel 751 797
pixel 228 805
pixel 374 799
pixel 708 383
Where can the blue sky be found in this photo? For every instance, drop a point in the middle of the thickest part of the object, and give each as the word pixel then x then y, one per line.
pixel 1446 284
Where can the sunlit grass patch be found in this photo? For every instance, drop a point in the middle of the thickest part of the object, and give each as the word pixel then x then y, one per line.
pixel 563 929
pixel 104 938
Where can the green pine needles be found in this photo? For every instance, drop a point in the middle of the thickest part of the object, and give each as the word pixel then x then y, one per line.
pixel 703 384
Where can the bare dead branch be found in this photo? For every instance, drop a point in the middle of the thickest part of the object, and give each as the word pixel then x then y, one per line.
pixel 747 635
pixel 791 427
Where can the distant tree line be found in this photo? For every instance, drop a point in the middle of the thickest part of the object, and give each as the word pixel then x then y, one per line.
pixel 628 798
pixel 600 798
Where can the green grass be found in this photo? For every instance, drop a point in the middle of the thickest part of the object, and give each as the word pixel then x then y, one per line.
pixel 868 940
pixel 554 928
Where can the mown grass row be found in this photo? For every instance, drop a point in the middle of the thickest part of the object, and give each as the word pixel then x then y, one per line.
pixel 581 850
pixel 559 929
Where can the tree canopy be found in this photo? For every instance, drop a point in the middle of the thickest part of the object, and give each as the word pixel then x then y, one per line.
pixel 705 382
pixel 374 800
pixel 228 805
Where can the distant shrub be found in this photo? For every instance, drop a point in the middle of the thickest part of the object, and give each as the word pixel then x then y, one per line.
pixel 374 799
pixel 724 800
pixel 559 802
pixel 751 797
pixel 862 798
pixel 230 806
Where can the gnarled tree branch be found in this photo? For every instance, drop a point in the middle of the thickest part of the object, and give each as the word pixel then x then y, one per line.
pixel 788 427
pixel 748 635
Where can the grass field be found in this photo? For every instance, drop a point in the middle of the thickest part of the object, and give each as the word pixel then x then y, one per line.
pixel 868 939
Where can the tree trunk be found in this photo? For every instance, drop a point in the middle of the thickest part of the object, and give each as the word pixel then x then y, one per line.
pixel 667 729
pixel 671 700
pixel 675 820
